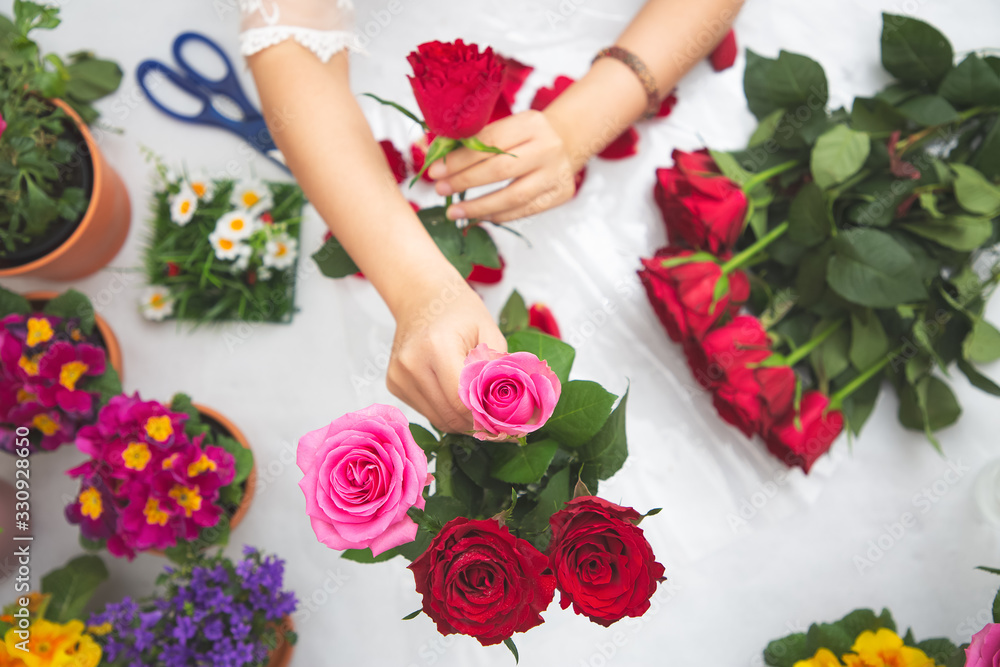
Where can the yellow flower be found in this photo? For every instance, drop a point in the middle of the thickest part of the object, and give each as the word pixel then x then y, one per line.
pixel 136 456
pixel 91 504
pixel 24 396
pixel 46 424
pixel 71 373
pixel 29 364
pixel 885 648
pixel 201 465
pixel 168 463
pixel 85 653
pixel 154 515
pixel 187 497
pixel 8 660
pixel 823 658
pixel 54 645
pixel 39 331
pixel 159 428
pixel 100 630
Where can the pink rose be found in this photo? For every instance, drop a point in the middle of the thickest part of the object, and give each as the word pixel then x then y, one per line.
pixel 510 395
pixel 984 649
pixel 362 473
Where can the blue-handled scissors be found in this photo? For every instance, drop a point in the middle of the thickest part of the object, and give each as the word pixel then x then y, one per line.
pixel 241 117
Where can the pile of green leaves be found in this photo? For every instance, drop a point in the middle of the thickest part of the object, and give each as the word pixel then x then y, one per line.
pixel 65 592
pixel 838 638
pixel 207 289
pixel 37 148
pixel 463 246
pixel 582 443
pixel 893 210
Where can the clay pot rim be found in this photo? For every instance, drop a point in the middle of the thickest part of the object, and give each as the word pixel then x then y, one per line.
pixel 88 214
pixel 111 344
pixel 282 654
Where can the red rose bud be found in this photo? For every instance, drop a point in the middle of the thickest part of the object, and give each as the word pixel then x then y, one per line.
pixel 602 562
pixel 395 159
pixel 541 317
pixel 667 106
pixel 478 579
pixel 684 296
pixel 267 218
pixel 700 206
pixel 456 86
pixel 724 54
pixel 728 361
pixel 802 444
pixel 485 275
pixel 173 269
pixel 418 155
pixel 626 145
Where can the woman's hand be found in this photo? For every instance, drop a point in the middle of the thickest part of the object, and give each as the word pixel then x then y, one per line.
pixel 543 170
pixel 435 331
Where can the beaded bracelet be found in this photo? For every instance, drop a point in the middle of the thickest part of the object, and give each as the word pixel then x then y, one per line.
pixel 633 62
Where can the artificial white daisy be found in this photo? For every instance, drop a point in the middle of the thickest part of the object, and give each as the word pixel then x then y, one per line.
pixel 237 225
pixel 243 259
pixel 203 186
pixel 157 303
pixel 225 247
pixel 183 205
pixel 252 195
pixel 280 251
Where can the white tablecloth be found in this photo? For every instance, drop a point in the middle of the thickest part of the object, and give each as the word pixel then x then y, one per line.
pixel 752 552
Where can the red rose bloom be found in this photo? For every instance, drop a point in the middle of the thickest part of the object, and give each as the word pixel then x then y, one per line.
pixel 478 579
pixel 819 428
pixel 683 295
pixel 395 159
pixel 602 562
pixel 724 54
pixel 700 206
pixel 541 317
pixel 514 75
pixel 456 86
pixel 727 360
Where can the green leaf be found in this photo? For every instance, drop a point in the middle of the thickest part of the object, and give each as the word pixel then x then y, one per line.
pixel 12 303
pixel 107 384
pixel 974 193
pixel 556 353
pixel 987 157
pixel 365 556
pixel 991 570
pixel 72 586
pixel 875 115
pixel 941 650
pixel 517 464
pixel 809 221
pixel 787 82
pixel 242 456
pixel 869 343
pixel 859 405
pixel 480 248
pixel 928 110
pixel 959 232
pixel 333 260
pixel 609 448
pixel 982 345
pixel 787 651
pixel 514 316
pixel 838 155
pixel 830 636
pixel 475 144
pixel 438 149
pixel 870 268
pixel 424 438
pixel 830 358
pixel 509 643
pixel 913 51
pixel 90 79
pixel 447 236
pixel 41 207
pixel 553 497
pixel 730 167
pixel 971 83
pixel 583 408
pixel 766 129
pixel 996 608
pixel 929 406
pixel 72 304
pixel 977 379
pixel 861 620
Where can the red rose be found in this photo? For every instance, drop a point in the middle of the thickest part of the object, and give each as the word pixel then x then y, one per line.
pixel 727 361
pixel 625 145
pixel 683 296
pixel 515 73
pixel 456 86
pixel 418 154
pixel 819 428
pixel 395 159
pixel 541 317
pixel 484 275
pixel 724 54
pixel 602 561
pixel 545 96
pixel 667 106
pixel 478 579
pixel 700 206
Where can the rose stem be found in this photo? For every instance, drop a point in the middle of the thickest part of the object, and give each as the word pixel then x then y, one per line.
pixel 800 352
pixel 764 241
pixel 838 399
pixel 767 175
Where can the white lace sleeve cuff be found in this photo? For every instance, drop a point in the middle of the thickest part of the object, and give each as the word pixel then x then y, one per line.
pixel 324 43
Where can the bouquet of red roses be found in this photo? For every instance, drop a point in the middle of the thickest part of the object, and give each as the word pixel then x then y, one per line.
pixel 513 515
pixel 860 240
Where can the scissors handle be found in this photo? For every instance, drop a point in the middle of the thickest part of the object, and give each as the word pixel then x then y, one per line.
pixel 228 85
pixel 206 115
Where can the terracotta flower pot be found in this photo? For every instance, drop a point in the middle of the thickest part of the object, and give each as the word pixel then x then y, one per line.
pixel 102 231
pixel 114 350
pixel 281 654
pixel 250 486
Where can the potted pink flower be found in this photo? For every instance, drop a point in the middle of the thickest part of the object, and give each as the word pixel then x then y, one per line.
pixel 171 478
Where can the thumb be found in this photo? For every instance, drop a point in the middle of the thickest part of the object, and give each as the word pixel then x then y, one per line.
pixel 490 334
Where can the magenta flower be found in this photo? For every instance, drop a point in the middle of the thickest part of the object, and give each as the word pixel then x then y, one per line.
pixel 66 366
pixel 3 126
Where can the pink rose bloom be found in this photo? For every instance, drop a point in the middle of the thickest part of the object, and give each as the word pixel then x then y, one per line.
pixel 510 395
pixel 984 649
pixel 362 473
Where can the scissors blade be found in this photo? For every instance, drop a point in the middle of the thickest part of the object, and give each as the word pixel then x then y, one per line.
pixel 277 157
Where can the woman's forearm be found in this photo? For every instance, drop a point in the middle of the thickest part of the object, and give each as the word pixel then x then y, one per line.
pixel 318 125
pixel 670 37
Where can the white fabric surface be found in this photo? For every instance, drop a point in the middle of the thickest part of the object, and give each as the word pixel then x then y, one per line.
pixel 732 587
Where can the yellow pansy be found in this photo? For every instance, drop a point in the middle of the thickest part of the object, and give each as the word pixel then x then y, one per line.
pixel 39 331
pixel 823 658
pixel 884 648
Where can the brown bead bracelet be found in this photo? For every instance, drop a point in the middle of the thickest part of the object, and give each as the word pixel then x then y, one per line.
pixel 633 62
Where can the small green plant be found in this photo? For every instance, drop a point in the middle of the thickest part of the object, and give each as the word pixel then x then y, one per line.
pixel 36 140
